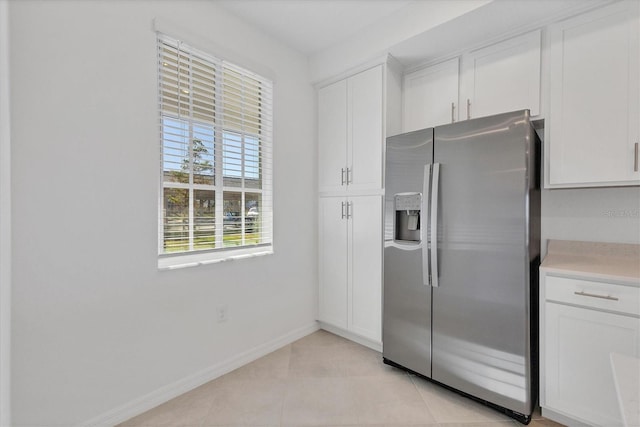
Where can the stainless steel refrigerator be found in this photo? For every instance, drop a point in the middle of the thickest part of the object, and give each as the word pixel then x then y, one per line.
pixel 461 254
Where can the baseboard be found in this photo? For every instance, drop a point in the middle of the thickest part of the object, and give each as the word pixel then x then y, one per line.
pixel 168 392
pixel 561 418
pixel 374 345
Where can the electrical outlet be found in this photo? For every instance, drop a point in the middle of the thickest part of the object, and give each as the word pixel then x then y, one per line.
pixel 223 313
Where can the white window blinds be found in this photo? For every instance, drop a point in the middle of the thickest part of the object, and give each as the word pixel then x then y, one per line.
pixel 215 127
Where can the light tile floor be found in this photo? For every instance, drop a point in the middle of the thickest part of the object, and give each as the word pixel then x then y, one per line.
pixel 323 380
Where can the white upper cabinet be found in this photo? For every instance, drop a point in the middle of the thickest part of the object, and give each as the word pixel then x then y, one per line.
pixel 431 96
pixel 502 77
pixel 495 79
pixel 350 133
pixel 332 135
pixel 594 120
pixel 365 115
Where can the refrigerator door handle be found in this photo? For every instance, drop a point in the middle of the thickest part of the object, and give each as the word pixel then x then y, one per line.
pixel 426 268
pixel 434 224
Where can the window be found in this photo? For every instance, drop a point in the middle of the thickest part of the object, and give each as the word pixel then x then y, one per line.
pixel 215 127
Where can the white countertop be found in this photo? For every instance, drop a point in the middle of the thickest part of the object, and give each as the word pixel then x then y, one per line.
pixel 607 261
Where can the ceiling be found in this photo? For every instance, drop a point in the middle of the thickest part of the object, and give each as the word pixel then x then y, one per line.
pixel 310 26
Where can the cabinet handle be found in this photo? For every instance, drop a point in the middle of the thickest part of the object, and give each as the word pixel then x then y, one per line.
pixel 349 211
pixel 468 108
pixel 349 176
pixel 635 158
pixel 342 176
pixel 453 107
pixel 586 294
pixel 343 214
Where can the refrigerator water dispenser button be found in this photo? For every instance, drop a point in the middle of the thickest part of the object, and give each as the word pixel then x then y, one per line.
pixel 408 202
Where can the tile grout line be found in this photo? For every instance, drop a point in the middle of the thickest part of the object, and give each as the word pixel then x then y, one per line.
pixel 411 378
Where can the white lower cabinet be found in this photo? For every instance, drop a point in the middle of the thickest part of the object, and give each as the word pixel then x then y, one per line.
pixel 350 250
pixel 333 261
pixel 584 322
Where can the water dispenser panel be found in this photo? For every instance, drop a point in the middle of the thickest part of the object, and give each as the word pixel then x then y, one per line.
pixel 408 202
pixel 407 221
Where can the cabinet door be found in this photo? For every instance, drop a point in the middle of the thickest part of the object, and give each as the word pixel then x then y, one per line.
pixel 430 96
pixel 594 94
pixel 502 77
pixel 364 121
pixel 365 239
pixel 578 376
pixel 333 261
pixel 332 136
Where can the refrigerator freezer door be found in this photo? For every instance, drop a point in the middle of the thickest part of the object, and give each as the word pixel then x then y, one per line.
pixel 406 155
pixel 406 326
pixel 481 343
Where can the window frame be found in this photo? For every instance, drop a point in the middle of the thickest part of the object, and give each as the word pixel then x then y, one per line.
pixel 221 135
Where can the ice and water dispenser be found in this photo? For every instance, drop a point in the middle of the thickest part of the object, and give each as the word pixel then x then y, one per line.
pixel 407 222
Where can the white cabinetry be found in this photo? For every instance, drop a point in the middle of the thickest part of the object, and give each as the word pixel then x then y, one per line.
pixel 350 132
pixel 594 119
pixel 350 264
pixel 332 136
pixel 495 79
pixel 583 322
pixel 502 77
pixel 354 116
pixel 431 96
pixel 333 261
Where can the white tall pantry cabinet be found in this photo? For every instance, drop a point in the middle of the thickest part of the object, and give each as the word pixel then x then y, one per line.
pixel 353 121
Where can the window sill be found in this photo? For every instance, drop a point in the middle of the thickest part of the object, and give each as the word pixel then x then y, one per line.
pixel 174 262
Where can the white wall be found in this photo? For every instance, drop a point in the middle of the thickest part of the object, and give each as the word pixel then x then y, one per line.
pixel 591 214
pixel 375 40
pixel 95 324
